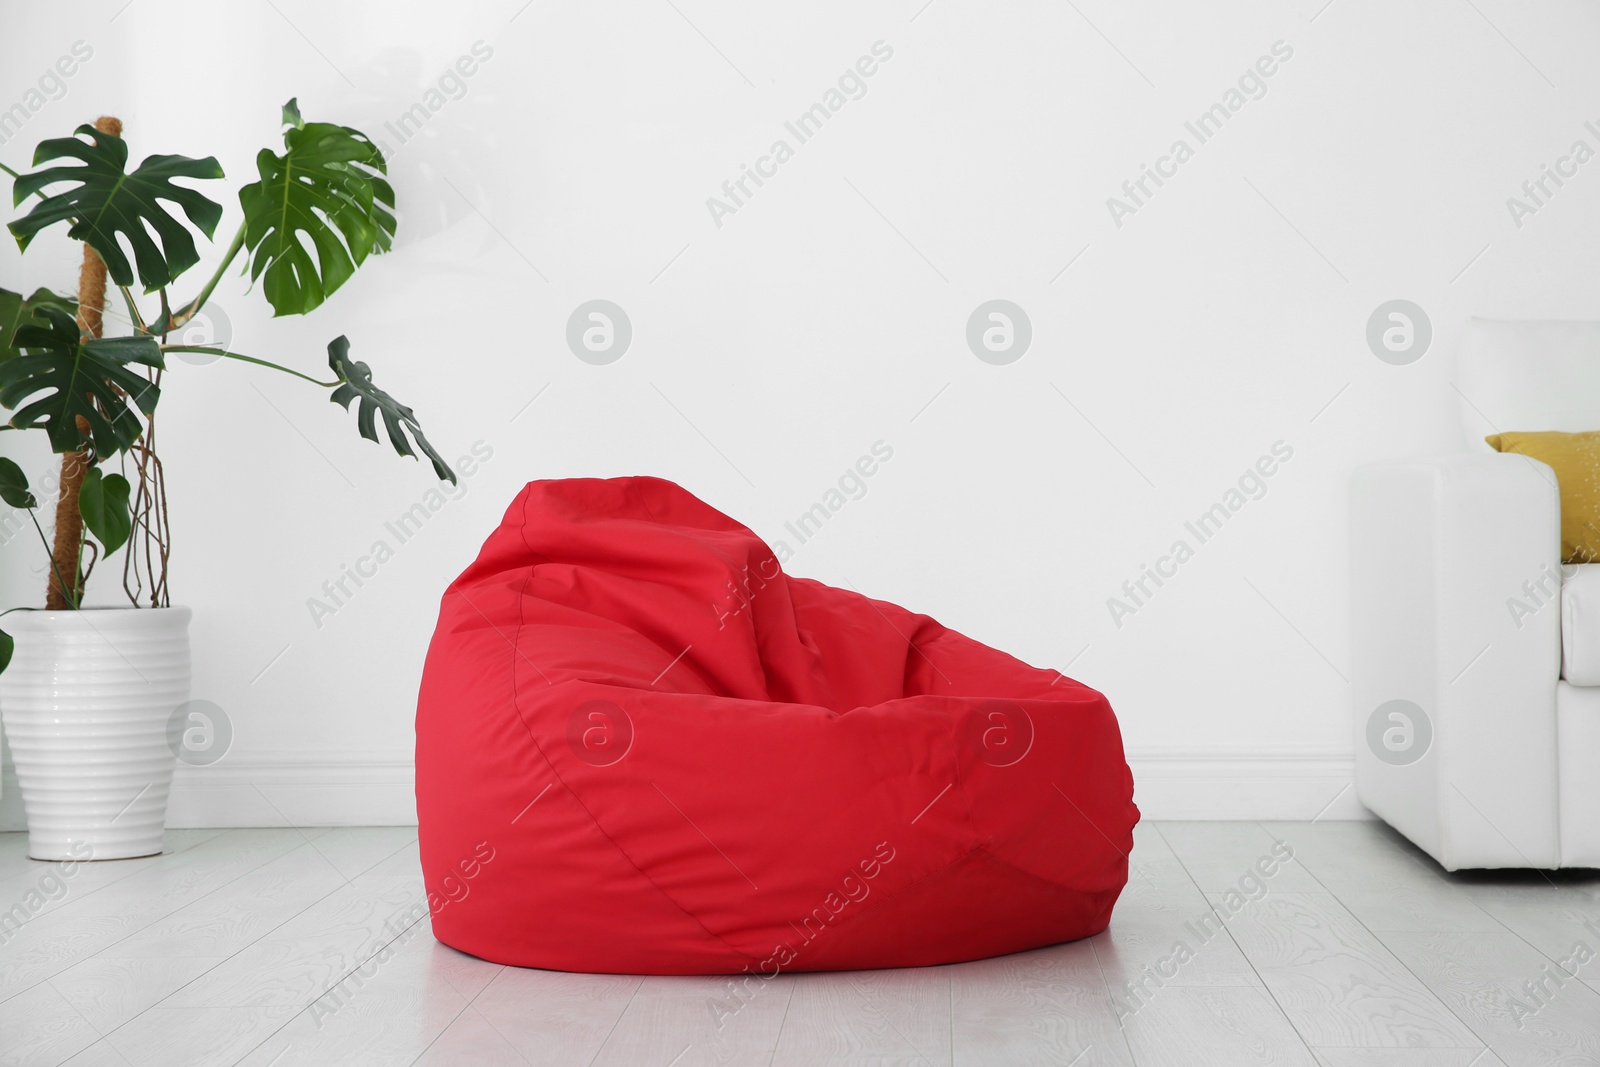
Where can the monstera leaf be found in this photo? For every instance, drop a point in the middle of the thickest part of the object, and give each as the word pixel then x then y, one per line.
pixel 397 418
pixel 104 201
pixel 16 309
pixel 326 190
pixel 14 485
pixel 103 502
pixel 87 379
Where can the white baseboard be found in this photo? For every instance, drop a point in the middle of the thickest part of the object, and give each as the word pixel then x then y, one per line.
pixel 297 789
pixel 376 788
pixel 1283 786
pixel 276 789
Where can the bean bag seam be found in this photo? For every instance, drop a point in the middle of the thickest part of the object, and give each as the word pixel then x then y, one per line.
pixel 516 702
pixel 1022 870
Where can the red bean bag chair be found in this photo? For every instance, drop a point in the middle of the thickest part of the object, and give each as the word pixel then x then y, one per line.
pixel 643 748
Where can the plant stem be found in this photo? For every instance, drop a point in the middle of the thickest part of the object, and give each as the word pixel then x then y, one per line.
pixel 210 351
pixel 45 541
pixel 188 311
pixel 82 576
pixel 133 310
pixel 66 555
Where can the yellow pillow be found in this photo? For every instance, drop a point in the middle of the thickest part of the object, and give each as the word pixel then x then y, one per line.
pixel 1575 457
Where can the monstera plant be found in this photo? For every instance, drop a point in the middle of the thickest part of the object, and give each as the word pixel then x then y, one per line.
pixel 317 210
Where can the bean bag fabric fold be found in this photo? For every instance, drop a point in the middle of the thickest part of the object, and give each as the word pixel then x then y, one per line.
pixel 643 748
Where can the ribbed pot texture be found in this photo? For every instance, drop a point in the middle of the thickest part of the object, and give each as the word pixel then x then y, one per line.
pixel 86 703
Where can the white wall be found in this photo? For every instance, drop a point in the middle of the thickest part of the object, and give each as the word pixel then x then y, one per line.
pixel 1227 314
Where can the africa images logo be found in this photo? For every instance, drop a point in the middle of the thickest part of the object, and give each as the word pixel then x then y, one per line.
pixel 1399 732
pixel 599 732
pixel 1000 732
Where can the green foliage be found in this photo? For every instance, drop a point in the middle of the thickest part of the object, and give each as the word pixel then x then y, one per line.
pixel 319 209
pixel 67 378
pixel 14 486
pixel 16 309
pixel 103 502
pixel 14 491
pixel 356 380
pixel 103 201
pixel 328 189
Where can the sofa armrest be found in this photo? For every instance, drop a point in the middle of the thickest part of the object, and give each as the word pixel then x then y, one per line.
pixel 1455 566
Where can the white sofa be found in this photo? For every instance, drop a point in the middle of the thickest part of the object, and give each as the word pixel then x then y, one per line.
pixel 1476 654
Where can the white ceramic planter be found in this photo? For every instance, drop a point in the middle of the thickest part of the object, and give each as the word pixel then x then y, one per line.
pixel 86 703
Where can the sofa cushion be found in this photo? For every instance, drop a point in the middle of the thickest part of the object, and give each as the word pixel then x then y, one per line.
pixel 1580 624
pixel 1575 458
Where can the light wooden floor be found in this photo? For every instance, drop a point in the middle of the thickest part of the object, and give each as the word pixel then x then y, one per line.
pixel 280 947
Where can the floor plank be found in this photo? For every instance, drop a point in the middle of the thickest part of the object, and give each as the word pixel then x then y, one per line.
pixel 354 850
pixel 389 1010
pixel 1381 879
pixel 1555 912
pixel 552 1016
pixel 100 1054
pixel 1528 1015
pixel 1149 846
pixel 473 1039
pixel 40 1026
pixel 1225 857
pixel 877 1016
pixel 1227 1026
pixel 20 875
pixel 1407 1057
pixel 241 912
pixel 90 924
pixel 311 953
pixel 700 1021
pixel 108 991
pixel 161 1036
pixel 1336 981
pixel 1343 855
pixel 1035 1008
pixel 1166 933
